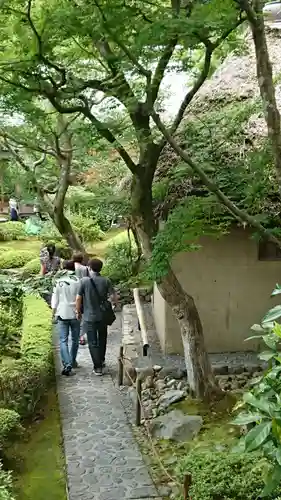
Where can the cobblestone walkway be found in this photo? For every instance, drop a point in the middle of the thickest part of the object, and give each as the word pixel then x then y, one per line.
pixel 103 460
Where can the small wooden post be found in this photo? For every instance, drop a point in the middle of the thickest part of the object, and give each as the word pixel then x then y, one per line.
pixel 121 366
pixel 186 486
pixel 138 407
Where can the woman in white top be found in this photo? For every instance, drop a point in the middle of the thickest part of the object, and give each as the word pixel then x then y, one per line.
pixel 63 306
pixel 14 213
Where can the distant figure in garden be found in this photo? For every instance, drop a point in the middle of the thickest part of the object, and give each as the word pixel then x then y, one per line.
pixel 81 271
pixel 49 261
pixel 64 311
pixel 93 293
pixel 14 211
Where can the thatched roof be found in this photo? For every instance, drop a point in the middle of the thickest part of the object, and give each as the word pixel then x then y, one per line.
pixel 236 80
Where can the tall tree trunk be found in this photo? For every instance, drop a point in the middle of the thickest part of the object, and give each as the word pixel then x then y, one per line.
pixel 254 12
pixel 200 376
pixel 63 225
pixel 199 371
pixel 142 211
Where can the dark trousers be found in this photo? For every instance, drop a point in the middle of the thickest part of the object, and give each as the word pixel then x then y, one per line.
pixel 97 339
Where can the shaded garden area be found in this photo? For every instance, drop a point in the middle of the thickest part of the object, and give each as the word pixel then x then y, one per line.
pixel 26 373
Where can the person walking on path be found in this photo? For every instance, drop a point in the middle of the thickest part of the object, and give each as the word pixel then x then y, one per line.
pixel 50 263
pixel 92 292
pixel 64 311
pixel 81 271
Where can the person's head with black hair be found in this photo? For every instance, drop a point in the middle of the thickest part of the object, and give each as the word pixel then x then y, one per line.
pixel 68 265
pixel 78 258
pixel 96 265
pixel 51 248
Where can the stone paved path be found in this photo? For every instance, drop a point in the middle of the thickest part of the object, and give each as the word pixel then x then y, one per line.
pixel 102 458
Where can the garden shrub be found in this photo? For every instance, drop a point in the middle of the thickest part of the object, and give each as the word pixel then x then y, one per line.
pixel 23 382
pixel 36 341
pixel 10 427
pixel 119 261
pixel 15 258
pixel 63 250
pixel 224 475
pixel 12 231
pixel 32 267
pixel 50 233
pixel 86 228
pixel 9 331
pixel 6 486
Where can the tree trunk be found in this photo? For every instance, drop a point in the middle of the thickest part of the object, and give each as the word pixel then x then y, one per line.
pixel 142 211
pixel 64 227
pixel 200 375
pixel 265 79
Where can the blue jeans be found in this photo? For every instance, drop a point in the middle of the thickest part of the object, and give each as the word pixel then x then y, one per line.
pixel 65 326
pixel 97 340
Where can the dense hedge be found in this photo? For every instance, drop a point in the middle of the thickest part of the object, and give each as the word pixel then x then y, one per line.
pixel 24 381
pixel 6 487
pixel 10 427
pixel 15 258
pixel 224 475
pixel 12 231
pixel 32 267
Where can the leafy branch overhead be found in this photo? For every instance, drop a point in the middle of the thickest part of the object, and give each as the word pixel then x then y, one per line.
pixel 54 67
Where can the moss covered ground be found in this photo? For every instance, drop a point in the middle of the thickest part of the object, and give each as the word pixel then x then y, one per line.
pixel 37 460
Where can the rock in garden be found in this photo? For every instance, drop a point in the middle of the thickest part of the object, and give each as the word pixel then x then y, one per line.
pixel 181 385
pixel 157 368
pixel 171 383
pixel 235 369
pixel 170 397
pixel 160 385
pixel 149 383
pixel 220 369
pixel 176 426
pixel 175 373
pixel 145 372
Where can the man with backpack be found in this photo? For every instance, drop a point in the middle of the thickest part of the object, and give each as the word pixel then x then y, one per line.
pixel 98 314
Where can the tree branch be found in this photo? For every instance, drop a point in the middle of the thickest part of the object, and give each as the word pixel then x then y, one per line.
pixel 41 56
pixel 160 70
pixel 239 214
pixel 209 49
pixel 101 128
pixel 197 85
pixel 248 9
pixel 25 144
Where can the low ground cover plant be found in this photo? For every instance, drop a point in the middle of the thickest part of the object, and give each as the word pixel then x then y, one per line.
pixel 12 231
pixel 12 259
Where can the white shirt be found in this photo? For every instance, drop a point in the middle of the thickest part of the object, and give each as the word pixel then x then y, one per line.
pixel 64 296
pixel 13 204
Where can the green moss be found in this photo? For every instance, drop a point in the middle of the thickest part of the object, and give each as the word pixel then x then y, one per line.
pixel 39 463
pixel 216 434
